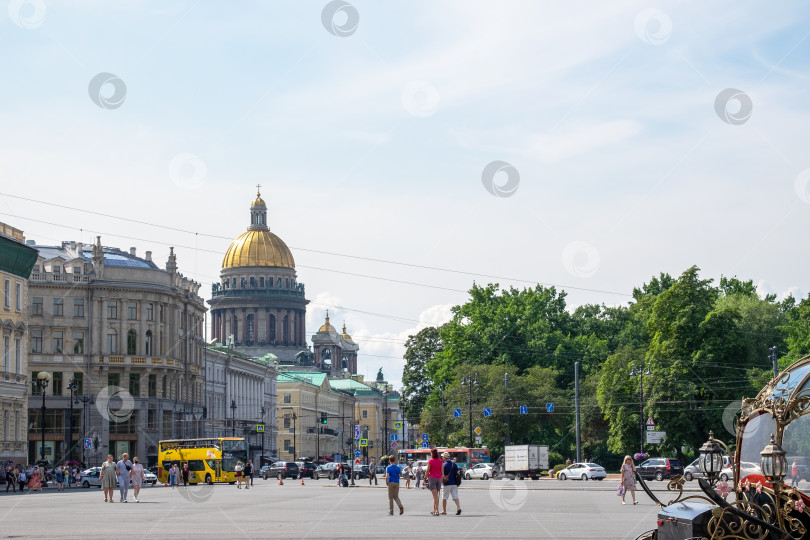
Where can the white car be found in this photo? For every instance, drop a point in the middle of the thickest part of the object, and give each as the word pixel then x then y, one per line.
pixel 582 471
pixel 480 470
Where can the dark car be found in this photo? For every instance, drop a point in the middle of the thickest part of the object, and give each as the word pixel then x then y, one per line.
pixel 660 468
pixel 327 470
pixel 307 468
pixel 280 470
pixel 360 471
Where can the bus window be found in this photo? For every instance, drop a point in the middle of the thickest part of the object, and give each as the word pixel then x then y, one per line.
pixel 196 465
pixel 480 456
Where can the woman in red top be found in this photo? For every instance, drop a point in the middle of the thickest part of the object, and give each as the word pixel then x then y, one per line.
pixel 434 474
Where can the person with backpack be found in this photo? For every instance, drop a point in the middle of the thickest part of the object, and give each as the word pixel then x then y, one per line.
pixel 450 483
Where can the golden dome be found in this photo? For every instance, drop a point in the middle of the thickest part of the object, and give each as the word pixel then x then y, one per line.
pixel 259 202
pixel 258 248
pixel 326 326
pixel 346 336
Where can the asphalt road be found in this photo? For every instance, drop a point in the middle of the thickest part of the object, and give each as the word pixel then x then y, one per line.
pixel 490 509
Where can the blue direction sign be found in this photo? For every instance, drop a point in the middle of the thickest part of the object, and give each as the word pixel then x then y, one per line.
pixel 549 407
pixel 487 411
pixel 425 437
pixel 259 428
pixel 425 444
pixel 357 453
pixel 394 437
pixel 457 413
pixel 363 442
pixel 88 444
pixel 524 409
pixel 397 425
pixel 356 431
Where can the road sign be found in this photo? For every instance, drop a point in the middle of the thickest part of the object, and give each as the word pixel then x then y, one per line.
pixel 655 437
pixel 487 411
pixel 549 407
pixel 425 445
pixel 356 431
pixel 477 430
pixel 650 421
pixel 524 409
pixel 457 413
pixel 88 444
pixel 363 442
pixel 357 453
pixel 357 461
pixel 393 444
pixel 478 441
pixel 394 437
pixel 259 428
pixel 425 437
pixel 397 425
pixel 650 428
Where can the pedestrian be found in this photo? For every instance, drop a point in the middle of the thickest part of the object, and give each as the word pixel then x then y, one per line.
pixel 249 474
pixel 21 478
pixel 11 480
pixel 392 481
pixel 122 468
pixel 629 478
pixel 185 474
pixel 434 477
pixel 34 480
pixel 372 472
pixel 173 475
pixel 420 474
pixel 59 478
pixel 794 473
pixel 107 478
pixel 449 486
pixel 238 474
pixel 136 476
pixel 406 472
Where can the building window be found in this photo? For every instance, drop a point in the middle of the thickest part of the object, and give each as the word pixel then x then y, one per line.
pixel 287 422
pixel 162 318
pixel 152 385
pixel 17 426
pixel 36 341
pixel 7 293
pixel 113 379
pixel 78 342
pixel 287 398
pixel 78 307
pixel 6 434
pixel 163 393
pixel 58 307
pixel 148 343
pixel 56 269
pixel 364 414
pixel 6 355
pixel 261 282
pixel 77 270
pixel 252 282
pixel 56 383
pixel 278 283
pixel 17 355
pixel 132 311
pixel 58 340
pixel 271 336
pixel 132 342
pixel 249 328
pixel 36 306
pixel 151 422
pixel 287 447
pixel 78 377
pixel 150 312
pixel 135 384
pixel 112 310
pixel 270 282
pixel 18 305
pixel 112 342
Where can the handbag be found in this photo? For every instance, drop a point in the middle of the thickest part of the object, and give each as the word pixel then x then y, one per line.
pixel 620 490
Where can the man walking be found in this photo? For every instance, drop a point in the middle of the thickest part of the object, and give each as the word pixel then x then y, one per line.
pixel 372 472
pixel 449 487
pixel 122 469
pixel 392 481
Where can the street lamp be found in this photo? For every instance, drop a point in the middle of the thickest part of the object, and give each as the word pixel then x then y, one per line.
pixel 469 382
pixel 233 418
pixel 261 457
pixel 710 458
pixel 294 417
pixel 85 401
pixel 773 463
pixel 43 378
pixel 385 417
pixel 72 385
pixel 640 373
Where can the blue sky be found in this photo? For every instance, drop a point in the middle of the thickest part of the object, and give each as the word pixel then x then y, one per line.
pixel 373 144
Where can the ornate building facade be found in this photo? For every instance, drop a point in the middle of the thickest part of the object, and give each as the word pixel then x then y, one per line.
pixel 258 305
pixel 16 262
pixel 123 341
pixel 334 353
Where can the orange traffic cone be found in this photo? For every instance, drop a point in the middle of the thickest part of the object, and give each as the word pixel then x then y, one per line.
pixel 302 480
pixel 280 481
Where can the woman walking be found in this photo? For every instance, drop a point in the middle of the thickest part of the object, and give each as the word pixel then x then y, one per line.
pixel 406 472
pixel 629 478
pixel 420 475
pixel 185 474
pixel 107 478
pixel 434 478
pixel 59 478
pixel 136 477
pixel 173 475
pixel 35 482
pixel 238 474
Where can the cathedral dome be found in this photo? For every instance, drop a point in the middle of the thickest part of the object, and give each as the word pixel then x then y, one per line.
pixel 258 246
pixel 326 326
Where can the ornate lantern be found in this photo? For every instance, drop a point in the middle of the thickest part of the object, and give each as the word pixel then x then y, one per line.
pixel 711 458
pixel 774 463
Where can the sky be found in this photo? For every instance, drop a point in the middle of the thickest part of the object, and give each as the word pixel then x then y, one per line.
pixel 409 149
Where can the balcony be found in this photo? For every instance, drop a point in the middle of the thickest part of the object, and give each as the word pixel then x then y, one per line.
pixel 50 277
pixel 137 361
pixel 218 292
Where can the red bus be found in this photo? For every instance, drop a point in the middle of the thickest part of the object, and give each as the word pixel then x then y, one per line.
pixel 465 457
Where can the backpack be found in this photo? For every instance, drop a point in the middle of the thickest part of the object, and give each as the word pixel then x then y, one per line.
pixel 344 482
pixel 459 476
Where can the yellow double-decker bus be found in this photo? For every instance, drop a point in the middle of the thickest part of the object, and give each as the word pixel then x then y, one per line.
pixel 209 460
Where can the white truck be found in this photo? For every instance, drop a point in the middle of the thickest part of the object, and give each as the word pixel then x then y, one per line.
pixel 522 461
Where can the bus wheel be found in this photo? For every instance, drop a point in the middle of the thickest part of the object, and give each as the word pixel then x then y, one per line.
pixel 208 479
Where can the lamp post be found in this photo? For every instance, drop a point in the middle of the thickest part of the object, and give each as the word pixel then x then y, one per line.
pixel 385 418
pixel 85 401
pixel 233 418
pixel 261 457
pixel 72 385
pixel 710 458
pixel 640 373
pixel 774 468
pixel 469 382
pixel 294 417
pixel 43 378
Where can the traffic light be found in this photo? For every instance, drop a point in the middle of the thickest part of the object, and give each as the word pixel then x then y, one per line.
pixel 324 418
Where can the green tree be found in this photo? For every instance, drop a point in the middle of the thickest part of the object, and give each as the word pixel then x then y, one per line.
pixel 797 329
pixel 420 349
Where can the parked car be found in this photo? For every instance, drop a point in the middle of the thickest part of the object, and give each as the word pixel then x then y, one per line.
pixel 692 470
pixel 480 470
pixel 660 468
pixel 149 478
pixel 582 471
pixel 90 477
pixel 306 468
pixel 327 470
pixel 280 470
pixel 360 471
